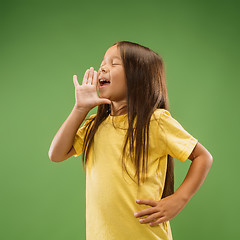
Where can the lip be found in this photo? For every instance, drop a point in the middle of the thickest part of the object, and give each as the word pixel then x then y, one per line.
pixel 103 86
pixel 102 76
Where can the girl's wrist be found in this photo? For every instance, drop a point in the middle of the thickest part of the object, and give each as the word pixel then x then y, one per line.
pixel 81 109
pixel 181 197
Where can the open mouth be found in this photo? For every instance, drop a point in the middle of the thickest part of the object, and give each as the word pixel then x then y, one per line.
pixel 104 82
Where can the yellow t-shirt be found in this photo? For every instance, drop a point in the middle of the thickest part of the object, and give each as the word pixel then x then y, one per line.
pixel 111 196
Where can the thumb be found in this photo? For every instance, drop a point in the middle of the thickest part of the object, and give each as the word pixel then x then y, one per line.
pixel 104 101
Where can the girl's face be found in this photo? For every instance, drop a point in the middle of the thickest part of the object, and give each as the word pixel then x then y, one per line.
pixel 112 70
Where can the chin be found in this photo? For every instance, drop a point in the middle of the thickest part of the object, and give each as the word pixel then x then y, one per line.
pixel 102 95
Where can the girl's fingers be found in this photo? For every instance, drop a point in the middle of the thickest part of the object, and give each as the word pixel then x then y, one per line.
pixel 75 81
pixel 85 77
pixel 89 81
pixel 95 78
pixel 88 76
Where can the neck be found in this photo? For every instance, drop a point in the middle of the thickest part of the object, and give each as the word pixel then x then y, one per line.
pixel 118 108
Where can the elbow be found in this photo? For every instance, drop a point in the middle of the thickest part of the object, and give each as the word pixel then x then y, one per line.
pixel 50 154
pixel 210 160
pixel 52 157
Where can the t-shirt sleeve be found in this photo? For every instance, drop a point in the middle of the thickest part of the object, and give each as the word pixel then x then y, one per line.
pixel 178 142
pixel 79 137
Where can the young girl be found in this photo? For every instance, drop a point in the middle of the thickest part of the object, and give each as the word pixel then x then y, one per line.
pixel 128 147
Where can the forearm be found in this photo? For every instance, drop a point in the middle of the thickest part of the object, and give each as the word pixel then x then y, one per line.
pixel 195 177
pixel 63 140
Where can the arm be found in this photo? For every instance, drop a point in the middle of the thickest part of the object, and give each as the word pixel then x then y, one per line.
pixel 201 164
pixel 61 146
pixel 168 207
pixel 86 98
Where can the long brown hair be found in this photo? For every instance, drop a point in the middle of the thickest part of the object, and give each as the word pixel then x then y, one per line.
pixel 146 91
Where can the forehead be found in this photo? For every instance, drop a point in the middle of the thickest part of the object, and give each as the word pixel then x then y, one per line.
pixel 112 52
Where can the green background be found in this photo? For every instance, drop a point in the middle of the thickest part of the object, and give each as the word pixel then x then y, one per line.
pixel 44 43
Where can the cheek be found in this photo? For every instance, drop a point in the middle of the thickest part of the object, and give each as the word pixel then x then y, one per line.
pixel 119 81
pixel 121 87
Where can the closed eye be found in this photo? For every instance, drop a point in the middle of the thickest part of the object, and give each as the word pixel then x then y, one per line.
pixel 112 64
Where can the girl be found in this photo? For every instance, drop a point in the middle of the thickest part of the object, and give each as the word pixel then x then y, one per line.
pixel 128 147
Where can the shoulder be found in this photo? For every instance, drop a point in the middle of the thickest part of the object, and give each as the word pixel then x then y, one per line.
pixel 92 116
pixel 160 113
pixel 88 120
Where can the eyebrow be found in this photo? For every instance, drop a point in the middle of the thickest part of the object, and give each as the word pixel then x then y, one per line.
pixel 114 57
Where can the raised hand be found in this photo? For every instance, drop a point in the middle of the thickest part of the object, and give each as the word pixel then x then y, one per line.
pixel 86 94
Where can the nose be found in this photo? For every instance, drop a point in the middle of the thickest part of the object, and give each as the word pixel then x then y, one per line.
pixel 103 69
